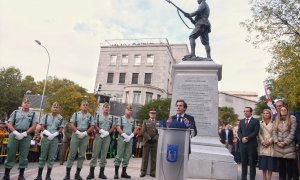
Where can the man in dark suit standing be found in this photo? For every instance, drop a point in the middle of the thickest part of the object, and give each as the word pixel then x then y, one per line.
pixel 182 120
pixel 226 136
pixel 247 132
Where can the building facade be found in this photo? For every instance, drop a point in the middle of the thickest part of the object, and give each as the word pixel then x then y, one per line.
pixel 238 100
pixel 137 71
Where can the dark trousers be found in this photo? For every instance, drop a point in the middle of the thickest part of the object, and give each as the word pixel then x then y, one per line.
pixel 248 156
pixel 64 148
pixel 285 168
pixel 149 148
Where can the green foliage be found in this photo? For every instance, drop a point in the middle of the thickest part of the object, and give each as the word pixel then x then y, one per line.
pixel 28 84
pixel 276 24
pixel 162 107
pixel 11 91
pixel 286 67
pixel 69 95
pixel 66 92
pixel 273 21
pixel 227 115
pixel 260 106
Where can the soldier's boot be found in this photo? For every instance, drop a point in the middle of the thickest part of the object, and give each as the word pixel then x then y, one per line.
pixel 91 174
pixel 21 174
pixel 67 177
pixel 101 174
pixel 124 174
pixel 6 174
pixel 39 176
pixel 48 174
pixel 116 172
pixel 77 174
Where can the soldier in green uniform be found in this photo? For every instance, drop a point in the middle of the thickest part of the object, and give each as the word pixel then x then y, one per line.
pixel 67 133
pixel 127 128
pixel 150 139
pixel 104 125
pixel 51 126
pixel 21 123
pixel 81 124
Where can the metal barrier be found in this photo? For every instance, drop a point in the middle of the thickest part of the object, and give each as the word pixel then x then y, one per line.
pixel 3 143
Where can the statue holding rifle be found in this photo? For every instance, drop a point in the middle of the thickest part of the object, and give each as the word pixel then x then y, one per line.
pixel 202 28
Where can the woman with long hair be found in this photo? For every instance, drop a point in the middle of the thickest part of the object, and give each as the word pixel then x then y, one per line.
pixel 267 163
pixel 284 144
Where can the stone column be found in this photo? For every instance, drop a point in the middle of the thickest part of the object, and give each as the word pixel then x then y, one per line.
pixel 196 82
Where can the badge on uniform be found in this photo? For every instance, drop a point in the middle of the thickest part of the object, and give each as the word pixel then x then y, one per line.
pixel 172 153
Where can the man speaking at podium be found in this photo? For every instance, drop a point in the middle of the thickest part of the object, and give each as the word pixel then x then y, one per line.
pixel 182 120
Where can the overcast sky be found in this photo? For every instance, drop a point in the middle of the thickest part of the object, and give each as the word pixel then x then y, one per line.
pixel 73 30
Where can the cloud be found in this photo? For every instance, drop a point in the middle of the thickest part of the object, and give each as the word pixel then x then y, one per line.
pixel 73 31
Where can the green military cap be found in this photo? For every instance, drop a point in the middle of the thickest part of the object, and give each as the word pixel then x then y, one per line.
pixel 26 100
pixel 105 104
pixel 55 104
pixel 129 107
pixel 84 102
pixel 152 110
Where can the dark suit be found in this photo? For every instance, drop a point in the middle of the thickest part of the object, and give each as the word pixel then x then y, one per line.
pixel 223 136
pixel 178 123
pixel 249 149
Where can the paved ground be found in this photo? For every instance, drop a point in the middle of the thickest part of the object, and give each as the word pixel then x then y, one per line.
pixel 58 171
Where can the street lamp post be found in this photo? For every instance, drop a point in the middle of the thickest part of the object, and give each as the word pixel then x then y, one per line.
pixel 45 84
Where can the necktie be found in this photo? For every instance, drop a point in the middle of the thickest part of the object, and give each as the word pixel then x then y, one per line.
pixel 247 121
pixel 179 119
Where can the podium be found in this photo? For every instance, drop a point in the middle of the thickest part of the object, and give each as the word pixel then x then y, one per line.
pixel 172 154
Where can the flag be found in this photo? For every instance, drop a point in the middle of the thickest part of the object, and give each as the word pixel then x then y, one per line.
pixel 269 101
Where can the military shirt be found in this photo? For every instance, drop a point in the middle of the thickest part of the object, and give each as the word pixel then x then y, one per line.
pixel 103 123
pixel 149 129
pixel 53 123
pixel 83 121
pixel 127 125
pixel 22 120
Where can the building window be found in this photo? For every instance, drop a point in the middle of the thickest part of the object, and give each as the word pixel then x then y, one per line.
pixel 137 60
pixel 124 59
pixel 113 60
pixel 147 79
pixel 110 77
pixel 150 59
pixel 136 97
pixel 127 97
pixel 118 98
pixel 158 96
pixel 122 78
pixel 135 78
pixel 149 96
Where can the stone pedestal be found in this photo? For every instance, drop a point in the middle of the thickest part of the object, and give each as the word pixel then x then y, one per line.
pixel 196 82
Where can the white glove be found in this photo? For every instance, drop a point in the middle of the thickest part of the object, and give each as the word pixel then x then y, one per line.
pixel 103 135
pixel 131 135
pixel 55 134
pixel 79 134
pixel 124 135
pixel 101 131
pixel 46 133
pixel 24 134
pixel 18 136
pixel 50 137
pixel 84 134
pixel 127 139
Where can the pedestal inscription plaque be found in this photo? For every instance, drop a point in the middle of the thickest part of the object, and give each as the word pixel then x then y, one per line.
pixel 200 91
